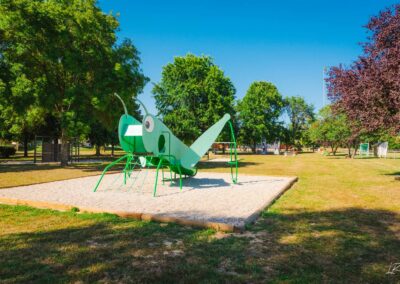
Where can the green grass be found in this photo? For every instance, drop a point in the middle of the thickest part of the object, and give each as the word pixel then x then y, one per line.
pixel 339 223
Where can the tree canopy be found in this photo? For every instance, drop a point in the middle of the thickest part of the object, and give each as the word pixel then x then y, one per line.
pixel 259 113
pixel 193 94
pixel 61 59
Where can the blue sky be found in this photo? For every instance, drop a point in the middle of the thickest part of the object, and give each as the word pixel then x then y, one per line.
pixel 284 42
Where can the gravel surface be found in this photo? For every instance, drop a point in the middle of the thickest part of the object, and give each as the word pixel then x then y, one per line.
pixel 206 197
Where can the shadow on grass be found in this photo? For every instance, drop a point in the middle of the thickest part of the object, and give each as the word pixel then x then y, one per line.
pixel 351 245
pixel 338 155
pixel 393 174
pixel 83 157
pixel 86 167
pixel 17 158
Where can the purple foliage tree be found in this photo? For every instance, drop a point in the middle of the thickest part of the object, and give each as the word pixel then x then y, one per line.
pixel 368 92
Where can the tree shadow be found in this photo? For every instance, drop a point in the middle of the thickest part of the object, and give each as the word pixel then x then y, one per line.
pixel 92 167
pixel 350 245
pixel 16 158
pixel 393 174
pixel 82 158
pixel 306 152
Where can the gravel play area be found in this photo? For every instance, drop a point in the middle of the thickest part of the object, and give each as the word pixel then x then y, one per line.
pixel 208 199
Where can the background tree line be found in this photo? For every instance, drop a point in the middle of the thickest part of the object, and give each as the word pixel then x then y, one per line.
pixel 61 61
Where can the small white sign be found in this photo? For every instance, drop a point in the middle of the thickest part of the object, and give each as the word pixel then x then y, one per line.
pixel 134 130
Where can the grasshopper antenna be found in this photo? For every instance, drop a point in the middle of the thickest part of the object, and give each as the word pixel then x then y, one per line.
pixel 123 104
pixel 142 104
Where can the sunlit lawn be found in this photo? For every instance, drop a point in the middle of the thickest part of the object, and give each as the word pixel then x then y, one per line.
pixel 15 175
pixel 339 223
pixel 19 172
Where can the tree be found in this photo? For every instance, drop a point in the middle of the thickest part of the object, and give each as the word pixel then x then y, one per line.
pixel 19 115
pixel 259 113
pixel 192 95
pixel 18 122
pixel 307 141
pixel 369 90
pixel 284 136
pixel 300 116
pixel 65 52
pixel 330 129
pixel 98 136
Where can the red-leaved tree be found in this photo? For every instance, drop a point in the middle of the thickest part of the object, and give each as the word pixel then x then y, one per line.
pixel 368 92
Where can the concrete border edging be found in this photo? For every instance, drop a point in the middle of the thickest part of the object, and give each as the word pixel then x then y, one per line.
pixel 253 217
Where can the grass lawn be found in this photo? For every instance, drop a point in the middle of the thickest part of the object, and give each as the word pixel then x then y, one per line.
pixel 339 223
pixel 85 153
pixel 16 175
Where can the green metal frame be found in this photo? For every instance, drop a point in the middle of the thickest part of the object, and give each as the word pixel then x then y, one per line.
pixel 233 154
pixel 131 162
pixel 128 156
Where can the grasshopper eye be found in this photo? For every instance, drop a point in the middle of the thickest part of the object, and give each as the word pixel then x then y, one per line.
pixel 149 124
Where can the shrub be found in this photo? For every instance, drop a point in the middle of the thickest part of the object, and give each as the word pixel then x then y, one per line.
pixel 75 210
pixel 7 151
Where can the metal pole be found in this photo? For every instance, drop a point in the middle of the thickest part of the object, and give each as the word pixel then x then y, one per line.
pixel 34 151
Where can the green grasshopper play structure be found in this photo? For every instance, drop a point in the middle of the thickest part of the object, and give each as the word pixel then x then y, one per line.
pixel 151 143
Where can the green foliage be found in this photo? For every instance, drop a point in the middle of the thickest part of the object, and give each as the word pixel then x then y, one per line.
pixel 330 129
pixel 127 80
pixel 7 151
pixel 192 95
pixel 259 113
pixel 62 57
pixel 75 210
pixel 301 115
pixel 394 142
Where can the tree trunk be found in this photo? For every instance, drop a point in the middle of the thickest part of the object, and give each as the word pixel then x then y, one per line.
pixel 335 151
pixel 64 149
pixel 112 149
pixel 375 148
pixel 97 150
pixel 25 145
pixel 349 149
pixel 355 151
pixel 254 147
pixel 56 154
